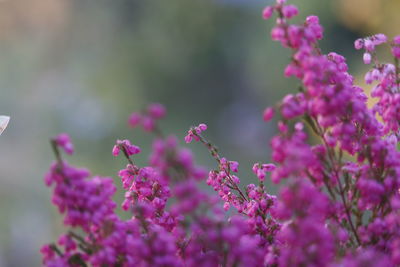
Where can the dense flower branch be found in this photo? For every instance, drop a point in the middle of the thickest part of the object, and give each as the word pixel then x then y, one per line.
pixel 338 166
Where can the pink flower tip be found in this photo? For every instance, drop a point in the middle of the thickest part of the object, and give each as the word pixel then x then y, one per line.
pixel 396 51
pixel 127 146
pixel 369 45
pixel 267 12
pixel 64 141
pixel 269 167
pixel 396 40
pixel 202 127
pixel 358 44
pixel 156 110
pixel 116 150
pixel 234 166
pixel 277 33
pixel 282 127
pixel 226 206
pixel 194 131
pixel 290 11
pixel 134 119
pixel 367 58
pixel 148 124
pixel 268 114
pixel 380 38
pixel 188 138
pixel 396 47
pixel 312 19
pixel 261 169
pixel 132 150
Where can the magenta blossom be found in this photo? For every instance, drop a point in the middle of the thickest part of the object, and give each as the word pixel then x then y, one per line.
pixel 126 146
pixel 194 132
pixel 336 164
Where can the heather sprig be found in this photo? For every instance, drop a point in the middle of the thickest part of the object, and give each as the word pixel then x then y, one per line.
pixel 336 162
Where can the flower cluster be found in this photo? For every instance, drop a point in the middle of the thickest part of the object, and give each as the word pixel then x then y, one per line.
pixel 337 163
pixel 261 169
pixel 369 45
pixel 126 147
pixel 64 141
pixel 386 75
pixel 396 47
pixel 148 118
pixel 194 132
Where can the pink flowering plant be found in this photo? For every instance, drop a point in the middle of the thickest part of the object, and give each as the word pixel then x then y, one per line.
pixel 336 160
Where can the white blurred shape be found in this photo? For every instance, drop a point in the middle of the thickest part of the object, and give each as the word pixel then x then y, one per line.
pixel 3 123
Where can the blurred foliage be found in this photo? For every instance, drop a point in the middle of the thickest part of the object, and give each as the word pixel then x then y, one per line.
pixel 370 16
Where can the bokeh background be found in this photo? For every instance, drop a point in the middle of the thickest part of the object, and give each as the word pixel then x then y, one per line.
pixel 82 66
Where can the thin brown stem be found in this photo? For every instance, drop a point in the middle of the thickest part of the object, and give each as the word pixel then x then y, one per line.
pixel 56 151
pixel 397 69
pixel 348 212
pixel 82 242
pixel 56 250
pixel 215 155
pixel 335 165
pixel 127 155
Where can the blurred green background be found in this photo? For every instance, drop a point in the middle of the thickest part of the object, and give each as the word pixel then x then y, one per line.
pixel 82 66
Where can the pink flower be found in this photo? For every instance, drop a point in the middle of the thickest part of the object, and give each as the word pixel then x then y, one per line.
pixel 396 40
pixel 188 138
pixel 194 132
pixel 267 12
pixel 148 118
pixel 277 33
pixel 148 124
pixel 156 110
pixel 64 141
pixel 116 149
pixel 380 38
pixel 261 169
pixel 396 47
pixel 359 43
pixel 289 11
pixel 134 119
pixel 268 114
pixel 369 45
pixel 234 166
pixel 127 146
pixel 202 127
pixel 367 58
pixel 396 51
